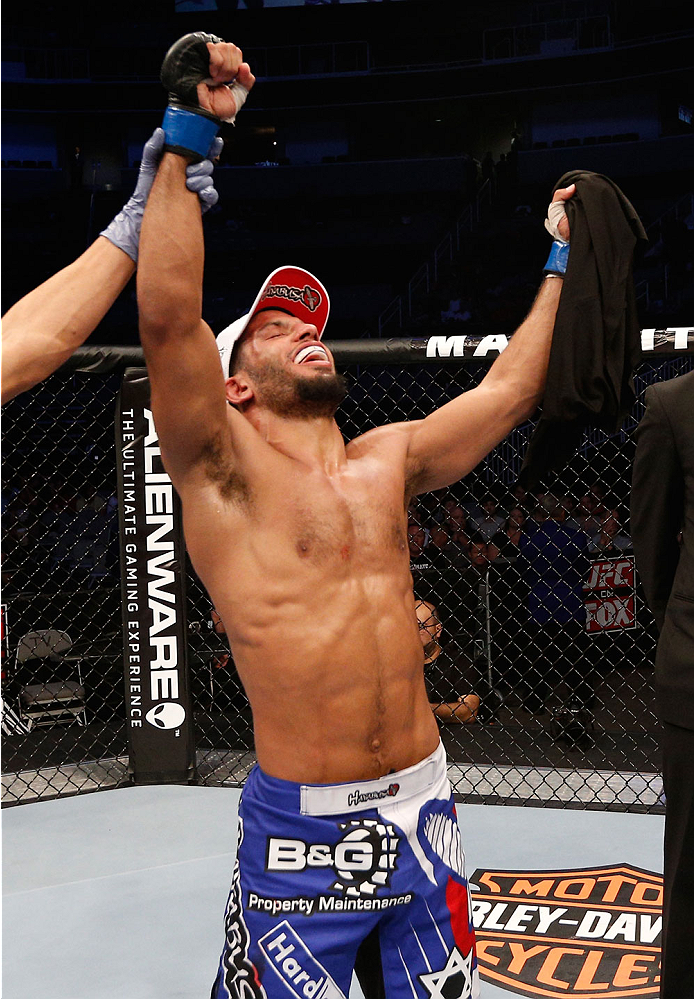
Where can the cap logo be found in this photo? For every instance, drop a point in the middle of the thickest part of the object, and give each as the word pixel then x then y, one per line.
pixel 308 296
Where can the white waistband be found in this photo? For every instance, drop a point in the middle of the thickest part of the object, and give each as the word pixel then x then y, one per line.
pixel 334 799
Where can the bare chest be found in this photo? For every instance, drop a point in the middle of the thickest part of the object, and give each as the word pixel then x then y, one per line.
pixel 325 520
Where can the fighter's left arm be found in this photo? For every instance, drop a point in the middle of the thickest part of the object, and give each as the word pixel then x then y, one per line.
pixel 451 441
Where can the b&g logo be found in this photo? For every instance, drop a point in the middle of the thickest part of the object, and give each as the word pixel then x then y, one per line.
pixel 363 859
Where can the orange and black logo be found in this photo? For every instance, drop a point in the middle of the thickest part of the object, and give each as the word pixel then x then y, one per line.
pixel 584 933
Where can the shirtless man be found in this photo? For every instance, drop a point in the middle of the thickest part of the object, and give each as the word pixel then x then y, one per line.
pixel 347 825
pixel 44 328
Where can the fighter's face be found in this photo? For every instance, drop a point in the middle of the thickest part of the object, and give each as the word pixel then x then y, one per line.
pixel 289 370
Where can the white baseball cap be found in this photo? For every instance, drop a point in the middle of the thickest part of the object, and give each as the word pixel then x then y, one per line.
pixel 291 289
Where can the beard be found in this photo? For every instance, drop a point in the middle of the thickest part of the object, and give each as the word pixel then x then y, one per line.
pixel 298 396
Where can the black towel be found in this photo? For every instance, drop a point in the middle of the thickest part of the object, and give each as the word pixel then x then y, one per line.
pixel 597 342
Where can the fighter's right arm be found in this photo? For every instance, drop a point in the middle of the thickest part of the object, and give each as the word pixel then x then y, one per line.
pixel 188 398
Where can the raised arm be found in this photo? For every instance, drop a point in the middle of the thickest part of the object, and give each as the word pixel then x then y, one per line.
pixel 43 329
pixel 188 398
pixel 448 443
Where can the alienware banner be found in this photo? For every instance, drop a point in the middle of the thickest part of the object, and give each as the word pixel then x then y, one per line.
pixel 157 689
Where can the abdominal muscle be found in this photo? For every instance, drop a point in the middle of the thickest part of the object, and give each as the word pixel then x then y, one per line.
pixel 334 675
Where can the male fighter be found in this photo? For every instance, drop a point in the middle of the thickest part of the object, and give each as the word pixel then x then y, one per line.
pixel 347 824
pixel 41 331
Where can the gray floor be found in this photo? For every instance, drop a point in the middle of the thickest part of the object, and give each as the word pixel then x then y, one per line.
pixel 120 894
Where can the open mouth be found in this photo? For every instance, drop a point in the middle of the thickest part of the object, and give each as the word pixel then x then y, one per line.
pixel 313 354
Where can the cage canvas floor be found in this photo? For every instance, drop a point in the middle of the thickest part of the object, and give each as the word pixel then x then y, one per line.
pixel 120 894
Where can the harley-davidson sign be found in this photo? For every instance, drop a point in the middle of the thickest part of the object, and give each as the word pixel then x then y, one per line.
pixel 584 933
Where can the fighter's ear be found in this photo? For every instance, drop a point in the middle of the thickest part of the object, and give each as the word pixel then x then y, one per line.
pixel 238 389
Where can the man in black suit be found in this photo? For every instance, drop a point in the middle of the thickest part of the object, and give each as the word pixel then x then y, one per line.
pixel 662 510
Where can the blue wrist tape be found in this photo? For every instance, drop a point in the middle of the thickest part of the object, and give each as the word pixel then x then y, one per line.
pixel 188 133
pixel 558 258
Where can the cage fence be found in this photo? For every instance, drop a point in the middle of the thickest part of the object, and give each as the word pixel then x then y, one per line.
pixel 538 646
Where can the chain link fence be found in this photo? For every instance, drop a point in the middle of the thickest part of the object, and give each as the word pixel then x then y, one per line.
pixel 539 649
pixel 62 686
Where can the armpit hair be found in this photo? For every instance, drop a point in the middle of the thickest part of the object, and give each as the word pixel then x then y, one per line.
pixel 219 468
pixel 414 471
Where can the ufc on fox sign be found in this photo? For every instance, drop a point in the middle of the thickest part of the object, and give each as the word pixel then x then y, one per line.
pixel 153 585
pixel 584 933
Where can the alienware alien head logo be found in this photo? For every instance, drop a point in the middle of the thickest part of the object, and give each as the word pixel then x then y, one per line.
pixel 166 715
pixel 311 298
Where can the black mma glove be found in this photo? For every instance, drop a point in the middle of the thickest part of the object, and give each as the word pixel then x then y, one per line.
pixel 189 128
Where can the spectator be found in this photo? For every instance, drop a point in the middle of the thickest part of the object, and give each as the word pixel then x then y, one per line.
pixel 522 497
pixel 586 517
pixel 610 540
pixel 442 674
pixel 478 552
pixel 456 518
pixel 518 515
pixel 439 538
pixel 455 522
pixel 599 492
pixel 538 516
pixel 416 539
pixel 556 564
pixel 506 544
pixel 490 522
pixel 588 514
pixel 569 504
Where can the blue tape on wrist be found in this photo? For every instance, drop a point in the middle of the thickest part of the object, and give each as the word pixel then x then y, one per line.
pixel 189 132
pixel 558 258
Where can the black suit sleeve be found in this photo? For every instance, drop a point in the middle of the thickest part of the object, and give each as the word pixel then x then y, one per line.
pixel 657 505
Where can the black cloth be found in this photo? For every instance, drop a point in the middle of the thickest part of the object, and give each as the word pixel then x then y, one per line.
pixel 678 875
pixel 662 504
pixel 596 342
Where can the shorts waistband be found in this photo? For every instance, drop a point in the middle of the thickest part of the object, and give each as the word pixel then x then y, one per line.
pixel 354 796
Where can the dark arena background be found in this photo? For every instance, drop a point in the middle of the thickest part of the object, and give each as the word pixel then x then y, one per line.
pixel 405 151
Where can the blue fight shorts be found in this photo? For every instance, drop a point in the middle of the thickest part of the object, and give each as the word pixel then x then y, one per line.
pixel 321 866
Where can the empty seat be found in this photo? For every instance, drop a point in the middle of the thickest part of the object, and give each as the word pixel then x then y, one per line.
pixel 51 691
